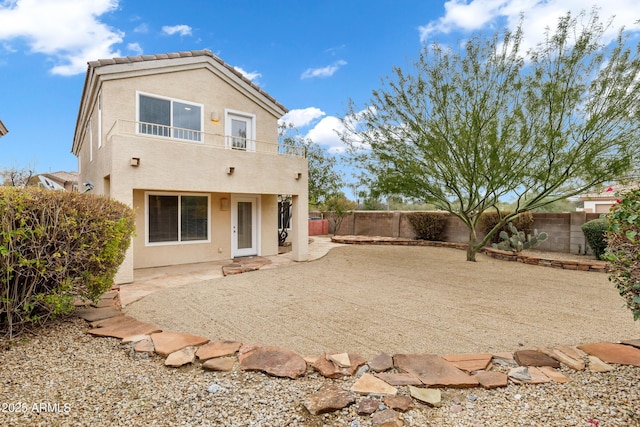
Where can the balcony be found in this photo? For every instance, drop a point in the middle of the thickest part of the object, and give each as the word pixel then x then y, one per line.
pixel 223 142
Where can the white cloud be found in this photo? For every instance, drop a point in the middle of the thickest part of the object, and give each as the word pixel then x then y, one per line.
pixel 466 16
pixel 183 30
pixel 327 71
pixel 326 133
pixel 135 48
pixel 142 29
pixel 67 30
pixel 302 117
pixel 254 75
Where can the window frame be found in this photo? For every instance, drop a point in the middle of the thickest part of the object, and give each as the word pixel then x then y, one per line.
pixel 229 115
pixel 171 118
pixel 179 195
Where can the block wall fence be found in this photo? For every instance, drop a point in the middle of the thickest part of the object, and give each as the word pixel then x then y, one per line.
pixel 564 229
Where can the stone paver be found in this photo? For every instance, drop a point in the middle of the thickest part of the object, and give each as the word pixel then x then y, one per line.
pixel 387 418
pixel 597 365
pixel 536 377
pixel 135 338
pixel 219 364
pixel 554 375
pixel 492 379
pixel 181 357
pixel 328 399
pixel 398 379
pixel 613 353
pixel 169 342
pixel 218 349
pixel 126 327
pixel 634 343
pixel 433 370
pixel 380 363
pixel 144 346
pixel 534 358
pixel 368 384
pixel 559 355
pixel 277 361
pixel 430 396
pixel 470 362
pixel 340 359
pixel 92 314
pixel 398 403
pixel 368 406
pixel 330 369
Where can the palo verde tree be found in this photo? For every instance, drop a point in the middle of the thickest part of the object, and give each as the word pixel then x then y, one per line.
pixel 467 128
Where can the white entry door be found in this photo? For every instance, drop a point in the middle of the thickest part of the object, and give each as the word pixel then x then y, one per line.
pixel 244 226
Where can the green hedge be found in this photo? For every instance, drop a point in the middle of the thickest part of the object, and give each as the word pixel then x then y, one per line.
pixel 594 232
pixel 56 245
pixel 488 220
pixel 428 225
pixel 623 249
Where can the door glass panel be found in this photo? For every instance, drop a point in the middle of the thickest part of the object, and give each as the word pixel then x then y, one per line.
pixel 238 134
pixel 245 224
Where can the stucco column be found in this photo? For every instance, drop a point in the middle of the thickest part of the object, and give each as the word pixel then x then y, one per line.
pixel 299 229
pixel 125 272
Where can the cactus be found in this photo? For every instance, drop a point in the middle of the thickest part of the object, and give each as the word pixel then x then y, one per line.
pixel 518 241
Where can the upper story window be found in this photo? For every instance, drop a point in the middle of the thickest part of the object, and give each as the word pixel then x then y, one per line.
pixel 169 118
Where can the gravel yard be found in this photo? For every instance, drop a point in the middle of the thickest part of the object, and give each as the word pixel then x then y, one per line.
pixel 358 299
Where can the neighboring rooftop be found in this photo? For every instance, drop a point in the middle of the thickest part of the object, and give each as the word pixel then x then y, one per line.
pixel 3 129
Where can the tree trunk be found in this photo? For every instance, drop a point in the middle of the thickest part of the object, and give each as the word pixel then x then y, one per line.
pixel 472 249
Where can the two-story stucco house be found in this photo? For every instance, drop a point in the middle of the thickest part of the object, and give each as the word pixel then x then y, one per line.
pixel 192 146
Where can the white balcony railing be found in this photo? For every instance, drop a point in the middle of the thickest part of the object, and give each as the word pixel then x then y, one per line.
pixel 152 130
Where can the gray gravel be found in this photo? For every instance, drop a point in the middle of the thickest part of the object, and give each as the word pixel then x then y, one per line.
pixel 74 379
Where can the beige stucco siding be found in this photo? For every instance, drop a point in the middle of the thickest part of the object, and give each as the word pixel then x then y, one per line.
pixel 195 86
pixel 170 165
pixel 219 247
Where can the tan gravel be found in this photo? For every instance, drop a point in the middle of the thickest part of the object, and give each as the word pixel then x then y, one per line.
pixel 369 299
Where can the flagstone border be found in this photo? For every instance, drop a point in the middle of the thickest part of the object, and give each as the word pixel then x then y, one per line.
pixel 594 265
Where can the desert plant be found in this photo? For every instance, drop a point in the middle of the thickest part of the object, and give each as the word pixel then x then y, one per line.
pixel 594 232
pixel 623 249
pixel 428 225
pixel 335 208
pixel 54 246
pixel 519 240
pixel 488 220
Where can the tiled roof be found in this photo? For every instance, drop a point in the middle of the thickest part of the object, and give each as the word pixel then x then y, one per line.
pixel 3 129
pixel 185 54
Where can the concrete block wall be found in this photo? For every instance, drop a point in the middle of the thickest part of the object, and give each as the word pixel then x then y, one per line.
pixel 564 229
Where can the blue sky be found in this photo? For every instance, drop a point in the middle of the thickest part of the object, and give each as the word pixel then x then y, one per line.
pixel 312 56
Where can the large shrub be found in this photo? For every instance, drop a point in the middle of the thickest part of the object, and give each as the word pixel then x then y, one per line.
pixel 488 220
pixel 623 249
pixel 55 245
pixel 594 231
pixel 428 225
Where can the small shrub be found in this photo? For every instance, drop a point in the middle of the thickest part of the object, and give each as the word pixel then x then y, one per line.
pixel 56 245
pixel 623 249
pixel 428 225
pixel 594 231
pixel 488 220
